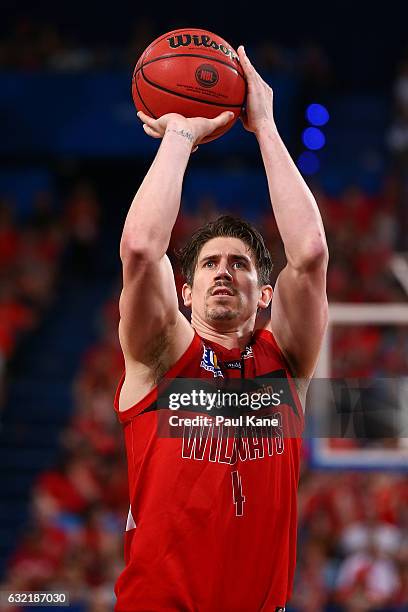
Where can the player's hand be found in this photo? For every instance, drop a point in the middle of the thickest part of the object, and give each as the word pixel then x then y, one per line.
pixel 259 103
pixel 194 129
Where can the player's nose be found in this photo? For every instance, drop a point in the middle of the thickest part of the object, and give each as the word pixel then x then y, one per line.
pixel 223 271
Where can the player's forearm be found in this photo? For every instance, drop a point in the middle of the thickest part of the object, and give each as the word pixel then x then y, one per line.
pixel 154 209
pixel 297 215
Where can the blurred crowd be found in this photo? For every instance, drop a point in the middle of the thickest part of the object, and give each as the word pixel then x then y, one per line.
pixel 33 250
pixel 353 542
pixel 29 256
pixel 398 144
pixel 74 540
pixel 31 45
pixel 398 136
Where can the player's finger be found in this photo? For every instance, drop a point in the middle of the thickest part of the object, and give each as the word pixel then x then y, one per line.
pixel 150 131
pixel 146 119
pixel 245 61
pixel 222 119
pixel 242 53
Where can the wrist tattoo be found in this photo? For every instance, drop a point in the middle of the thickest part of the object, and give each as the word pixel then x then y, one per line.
pixel 182 133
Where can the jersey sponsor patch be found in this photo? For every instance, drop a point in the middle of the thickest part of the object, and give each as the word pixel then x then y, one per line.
pixel 231 365
pixel 248 353
pixel 209 362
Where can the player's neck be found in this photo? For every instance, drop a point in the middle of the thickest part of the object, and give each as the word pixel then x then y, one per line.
pixel 229 338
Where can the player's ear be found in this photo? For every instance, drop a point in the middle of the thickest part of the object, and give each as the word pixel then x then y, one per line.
pixel 186 293
pixel 265 297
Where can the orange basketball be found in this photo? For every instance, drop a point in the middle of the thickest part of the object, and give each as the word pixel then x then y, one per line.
pixel 191 72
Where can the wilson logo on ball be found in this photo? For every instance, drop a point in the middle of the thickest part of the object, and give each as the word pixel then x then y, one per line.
pixel 206 75
pixel 185 40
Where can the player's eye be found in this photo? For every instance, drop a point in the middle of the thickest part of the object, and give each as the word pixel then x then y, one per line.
pixel 238 265
pixel 208 264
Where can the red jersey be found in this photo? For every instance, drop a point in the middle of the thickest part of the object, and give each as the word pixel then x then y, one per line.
pixel 212 520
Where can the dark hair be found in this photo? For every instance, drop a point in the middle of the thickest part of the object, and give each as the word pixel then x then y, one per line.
pixel 231 227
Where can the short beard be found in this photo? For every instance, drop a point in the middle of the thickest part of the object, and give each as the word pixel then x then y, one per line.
pixel 220 313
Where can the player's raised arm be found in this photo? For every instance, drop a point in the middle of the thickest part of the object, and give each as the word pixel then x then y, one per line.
pixel 151 326
pixel 299 306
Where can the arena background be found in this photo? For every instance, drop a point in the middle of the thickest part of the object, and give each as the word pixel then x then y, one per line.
pixel 73 154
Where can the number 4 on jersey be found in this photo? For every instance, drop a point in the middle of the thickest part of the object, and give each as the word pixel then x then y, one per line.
pixel 237 496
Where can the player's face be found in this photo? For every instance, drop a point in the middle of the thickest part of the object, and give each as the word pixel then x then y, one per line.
pixel 225 286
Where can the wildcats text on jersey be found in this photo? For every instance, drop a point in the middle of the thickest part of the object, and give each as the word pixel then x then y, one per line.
pixel 225 444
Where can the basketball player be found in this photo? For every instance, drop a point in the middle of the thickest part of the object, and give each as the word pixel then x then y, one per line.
pixel 212 520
